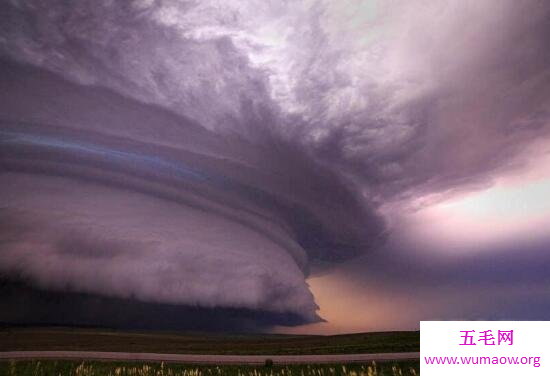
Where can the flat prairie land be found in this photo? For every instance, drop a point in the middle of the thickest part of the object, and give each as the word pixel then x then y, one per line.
pixel 74 339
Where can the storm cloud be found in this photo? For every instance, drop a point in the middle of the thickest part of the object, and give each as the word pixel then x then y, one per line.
pixel 215 155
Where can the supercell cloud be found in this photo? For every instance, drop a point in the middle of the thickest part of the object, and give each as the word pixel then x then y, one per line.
pixel 214 155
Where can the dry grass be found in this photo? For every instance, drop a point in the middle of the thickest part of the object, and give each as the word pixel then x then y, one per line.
pixel 69 368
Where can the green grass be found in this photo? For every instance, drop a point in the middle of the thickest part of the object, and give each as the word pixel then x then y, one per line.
pixel 104 340
pixel 72 368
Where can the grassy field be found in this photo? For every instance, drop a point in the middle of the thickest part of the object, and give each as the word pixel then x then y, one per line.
pixel 104 340
pixel 68 368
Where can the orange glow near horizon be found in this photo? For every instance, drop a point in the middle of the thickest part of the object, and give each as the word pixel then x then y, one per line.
pixel 349 309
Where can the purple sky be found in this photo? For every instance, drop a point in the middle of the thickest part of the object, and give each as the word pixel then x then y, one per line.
pixel 366 163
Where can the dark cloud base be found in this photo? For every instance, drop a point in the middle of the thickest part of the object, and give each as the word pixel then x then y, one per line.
pixel 25 305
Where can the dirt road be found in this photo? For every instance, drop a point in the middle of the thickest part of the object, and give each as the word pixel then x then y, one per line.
pixel 207 359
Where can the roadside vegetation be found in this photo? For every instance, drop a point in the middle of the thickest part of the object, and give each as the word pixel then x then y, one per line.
pixel 74 368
